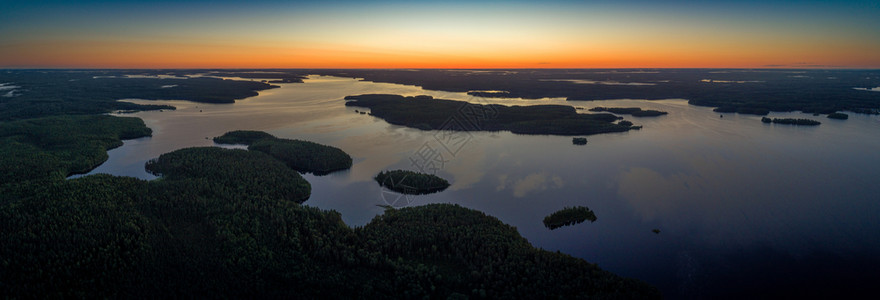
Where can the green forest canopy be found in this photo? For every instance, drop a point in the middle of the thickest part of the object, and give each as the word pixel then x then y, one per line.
pixel 409 182
pixel 228 223
pixel 569 216
pixel 426 113
pixel 303 156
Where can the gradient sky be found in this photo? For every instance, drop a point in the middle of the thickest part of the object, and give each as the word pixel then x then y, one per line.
pixel 439 34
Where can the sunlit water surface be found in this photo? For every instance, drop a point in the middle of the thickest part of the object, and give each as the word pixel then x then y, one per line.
pixel 739 204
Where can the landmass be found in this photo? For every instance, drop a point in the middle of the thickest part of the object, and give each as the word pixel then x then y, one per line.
pixel 838 116
pixel 228 223
pixel 569 216
pixel 227 169
pixel 52 148
pixel 276 76
pixel 579 141
pixel 426 113
pixel 223 223
pixel 409 182
pixel 634 111
pixel 303 156
pixel 791 121
pixel 730 90
pixel 46 93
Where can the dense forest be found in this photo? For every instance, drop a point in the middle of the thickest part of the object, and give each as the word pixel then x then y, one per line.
pixel 730 90
pixel 791 121
pixel 228 223
pixel 45 93
pixel 569 216
pixel 634 111
pixel 409 182
pixel 221 223
pixel 303 156
pixel 426 113
pixel 838 116
pixel 52 148
pixel 250 172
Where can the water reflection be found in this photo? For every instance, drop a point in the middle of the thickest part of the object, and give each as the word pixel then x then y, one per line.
pixel 716 187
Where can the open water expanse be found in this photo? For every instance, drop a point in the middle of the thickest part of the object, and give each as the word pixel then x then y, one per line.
pixel 742 207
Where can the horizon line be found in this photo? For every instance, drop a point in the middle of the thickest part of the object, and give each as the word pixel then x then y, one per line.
pixel 404 68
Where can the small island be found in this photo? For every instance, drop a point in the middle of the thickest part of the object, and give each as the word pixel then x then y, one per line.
pixel 760 111
pixel 412 183
pixel 634 111
pixel 579 141
pixel 303 156
pixel 569 216
pixel 838 116
pixel 791 121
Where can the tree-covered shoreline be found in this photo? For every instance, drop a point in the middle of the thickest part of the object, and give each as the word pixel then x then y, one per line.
pixel 569 216
pixel 426 113
pixel 303 156
pixel 228 223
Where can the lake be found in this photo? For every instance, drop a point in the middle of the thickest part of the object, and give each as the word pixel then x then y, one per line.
pixel 743 207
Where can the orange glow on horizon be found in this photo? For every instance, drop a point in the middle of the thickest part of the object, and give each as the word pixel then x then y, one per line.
pixel 121 54
pixel 515 34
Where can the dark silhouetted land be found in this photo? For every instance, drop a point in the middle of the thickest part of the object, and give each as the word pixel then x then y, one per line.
pixel 838 116
pixel 634 111
pixel 303 156
pixel 409 182
pixel 569 216
pixel 426 113
pixel 791 121
pixel 730 90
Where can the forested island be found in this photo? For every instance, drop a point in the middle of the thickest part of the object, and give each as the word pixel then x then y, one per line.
pixel 409 182
pixel 838 116
pixel 579 141
pixel 426 113
pixel 569 216
pixel 791 121
pixel 634 111
pixel 228 223
pixel 730 90
pixel 303 156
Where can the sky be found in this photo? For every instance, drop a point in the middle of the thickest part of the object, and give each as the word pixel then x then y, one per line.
pixel 439 34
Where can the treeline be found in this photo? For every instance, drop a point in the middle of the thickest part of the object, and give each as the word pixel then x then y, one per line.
pixel 275 76
pixel 454 250
pixel 730 90
pixel 409 182
pixel 426 113
pixel 790 121
pixel 217 225
pixel 56 147
pixel 569 216
pixel 249 172
pixel 634 111
pixel 838 116
pixel 76 92
pixel 303 156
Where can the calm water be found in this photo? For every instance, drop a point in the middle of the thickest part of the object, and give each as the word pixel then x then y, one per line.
pixel 742 206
